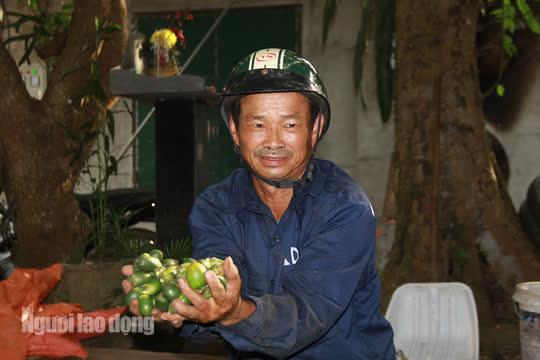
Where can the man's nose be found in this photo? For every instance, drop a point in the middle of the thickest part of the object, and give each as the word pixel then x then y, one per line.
pixel 273 138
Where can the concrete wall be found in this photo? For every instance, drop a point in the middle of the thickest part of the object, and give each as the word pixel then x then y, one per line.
pixel 124 128
pixel 522 144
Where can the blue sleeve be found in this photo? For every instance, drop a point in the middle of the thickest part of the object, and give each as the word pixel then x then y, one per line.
pixel 335 260
pixel 210 238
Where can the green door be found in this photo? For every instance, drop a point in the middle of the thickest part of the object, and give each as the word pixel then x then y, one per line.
pixel 242 31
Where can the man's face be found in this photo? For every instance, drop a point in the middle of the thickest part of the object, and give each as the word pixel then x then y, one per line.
pixel 274 133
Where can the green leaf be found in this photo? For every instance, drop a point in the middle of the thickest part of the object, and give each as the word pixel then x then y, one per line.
pixel 528 16
pixel 497 13
pixel 500 90
pixel 360 47
pixel 508 45
pixel 112 169
pixel 96 22
pixel 112 28
pixel 523 7
pixel 107 144
pixel 329 14
pixel 110 123
pixel 384 50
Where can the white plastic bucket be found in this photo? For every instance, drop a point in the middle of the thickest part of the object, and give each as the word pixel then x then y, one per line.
pixel 527 303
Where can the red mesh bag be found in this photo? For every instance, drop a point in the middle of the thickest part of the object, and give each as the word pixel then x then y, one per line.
pixel 21 295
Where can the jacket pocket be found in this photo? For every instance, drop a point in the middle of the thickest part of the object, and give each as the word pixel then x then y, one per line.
pixel 257 285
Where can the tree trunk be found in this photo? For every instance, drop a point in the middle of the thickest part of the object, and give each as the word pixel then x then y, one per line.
pixel 455 220
pixel 38 172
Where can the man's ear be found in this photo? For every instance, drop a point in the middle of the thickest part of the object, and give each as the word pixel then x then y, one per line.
pixel 234 131
pixel 317 129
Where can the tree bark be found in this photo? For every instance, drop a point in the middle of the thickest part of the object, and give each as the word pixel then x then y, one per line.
pixel 455 221
pixel 36 154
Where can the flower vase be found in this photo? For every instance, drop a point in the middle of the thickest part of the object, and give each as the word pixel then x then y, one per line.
pixel 164 63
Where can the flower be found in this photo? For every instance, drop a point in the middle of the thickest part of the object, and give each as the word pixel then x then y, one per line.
pixel 164 38
pixel 179 35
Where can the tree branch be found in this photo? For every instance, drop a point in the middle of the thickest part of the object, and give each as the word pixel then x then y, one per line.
pixel 114 48
pixel 72 70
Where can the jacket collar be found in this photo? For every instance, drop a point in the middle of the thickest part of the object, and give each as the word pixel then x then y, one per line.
pixel 243 194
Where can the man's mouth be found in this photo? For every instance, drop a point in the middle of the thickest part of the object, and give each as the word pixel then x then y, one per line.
pixel 273 161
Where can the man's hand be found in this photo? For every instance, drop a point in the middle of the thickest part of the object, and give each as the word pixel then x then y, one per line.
pixel 175 319
pixel 225 305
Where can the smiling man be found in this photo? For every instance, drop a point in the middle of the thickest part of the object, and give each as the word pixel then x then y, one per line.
pixel 298 233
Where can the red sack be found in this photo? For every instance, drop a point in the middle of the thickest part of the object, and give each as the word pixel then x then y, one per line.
pixel 20 299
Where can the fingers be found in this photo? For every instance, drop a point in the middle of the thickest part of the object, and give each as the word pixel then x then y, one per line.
pixel 127 270
pixel 126 285
pixel 175 319
pixel 193 296
pixel 186 311
pixel 156 314
pixel 234 282
pixel 177 323
pixel 217 290
pixel 134 307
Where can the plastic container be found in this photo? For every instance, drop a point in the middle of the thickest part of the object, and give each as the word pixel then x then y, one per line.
pixel 434 321
pixel 527 303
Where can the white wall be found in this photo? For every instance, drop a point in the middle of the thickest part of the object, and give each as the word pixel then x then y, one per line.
pixel 124 127
pixel 522 144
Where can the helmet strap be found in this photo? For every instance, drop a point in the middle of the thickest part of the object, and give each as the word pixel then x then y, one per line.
pixel 281 184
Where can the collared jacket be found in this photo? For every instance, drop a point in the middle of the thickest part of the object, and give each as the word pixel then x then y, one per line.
pixel 311 275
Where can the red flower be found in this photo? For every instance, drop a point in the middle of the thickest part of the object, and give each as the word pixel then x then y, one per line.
pixel 180 36
pixel 189 17
pixel 178 14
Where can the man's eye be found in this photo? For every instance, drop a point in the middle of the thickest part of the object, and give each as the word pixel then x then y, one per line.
pixel 258 125
pixel 290 125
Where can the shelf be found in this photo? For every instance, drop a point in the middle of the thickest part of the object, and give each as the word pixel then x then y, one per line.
pixel 129 84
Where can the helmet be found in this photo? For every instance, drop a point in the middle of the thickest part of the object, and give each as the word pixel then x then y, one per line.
pixel 274 70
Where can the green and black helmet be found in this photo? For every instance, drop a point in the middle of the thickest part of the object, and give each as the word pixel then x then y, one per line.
pixel 274 70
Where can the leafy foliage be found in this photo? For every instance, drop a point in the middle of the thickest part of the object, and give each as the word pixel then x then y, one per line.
pixel 45 26
pixel 377 24
pixel 178 248
pixel 507 15
pixel 330 8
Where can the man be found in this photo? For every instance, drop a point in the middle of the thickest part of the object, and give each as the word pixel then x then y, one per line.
pixel 298 233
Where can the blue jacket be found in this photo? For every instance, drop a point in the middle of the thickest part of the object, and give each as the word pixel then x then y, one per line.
pixel 311 275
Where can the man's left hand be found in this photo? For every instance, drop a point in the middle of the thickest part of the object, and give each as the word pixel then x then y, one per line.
pixel 225 306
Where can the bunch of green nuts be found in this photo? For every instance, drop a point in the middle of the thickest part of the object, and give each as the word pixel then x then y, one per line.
pixel 155 280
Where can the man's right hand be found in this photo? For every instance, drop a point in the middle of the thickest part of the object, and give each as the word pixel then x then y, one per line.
pixel 175 319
